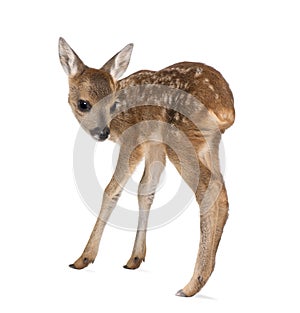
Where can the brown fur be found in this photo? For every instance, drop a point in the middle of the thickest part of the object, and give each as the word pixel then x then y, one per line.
pixel 198 81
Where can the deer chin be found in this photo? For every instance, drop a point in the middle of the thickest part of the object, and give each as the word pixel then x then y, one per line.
pixel 102 139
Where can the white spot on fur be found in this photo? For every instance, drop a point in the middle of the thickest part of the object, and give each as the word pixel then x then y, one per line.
pixel 176 116
pixel 199 71
pixel 181 70
pixel 211 87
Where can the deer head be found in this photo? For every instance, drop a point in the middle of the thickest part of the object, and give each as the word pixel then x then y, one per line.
pixel 91 91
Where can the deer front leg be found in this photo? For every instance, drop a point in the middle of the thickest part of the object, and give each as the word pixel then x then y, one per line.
pixel 126 164
pixel 214 213
pixel 154 165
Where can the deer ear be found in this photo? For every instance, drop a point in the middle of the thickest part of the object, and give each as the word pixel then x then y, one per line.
pixel 69 60
pixel 118 64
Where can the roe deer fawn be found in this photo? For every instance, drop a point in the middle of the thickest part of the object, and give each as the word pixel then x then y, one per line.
pixel 189 102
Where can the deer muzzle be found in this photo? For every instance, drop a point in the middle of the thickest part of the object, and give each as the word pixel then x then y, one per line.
pixel 100 134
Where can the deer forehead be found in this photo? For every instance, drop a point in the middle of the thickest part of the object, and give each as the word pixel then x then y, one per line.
pixel 91 85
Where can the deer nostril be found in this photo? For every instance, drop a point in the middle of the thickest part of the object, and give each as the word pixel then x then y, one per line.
pixel 100 134
pixel 104 133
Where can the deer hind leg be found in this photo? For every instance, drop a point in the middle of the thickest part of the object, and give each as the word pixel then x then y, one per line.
pixel 155 160
pixel 213 215
pixel 126 164
pixel 212 199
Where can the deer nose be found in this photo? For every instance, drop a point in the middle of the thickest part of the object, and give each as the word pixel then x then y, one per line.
pixel 100 134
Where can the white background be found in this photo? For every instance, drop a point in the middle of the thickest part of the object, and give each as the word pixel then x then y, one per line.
pixel 43 223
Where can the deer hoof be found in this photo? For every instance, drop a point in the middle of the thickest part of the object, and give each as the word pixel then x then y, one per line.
pixel 134 263
pixel 81 263
pixel 180 293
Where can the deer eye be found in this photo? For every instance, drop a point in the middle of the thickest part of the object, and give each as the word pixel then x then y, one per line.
pixel 113 108
pixel 83 106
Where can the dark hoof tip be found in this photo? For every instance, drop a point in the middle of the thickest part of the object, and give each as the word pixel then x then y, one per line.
pixel 128 268
pixel 180 293
pixel 72 266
